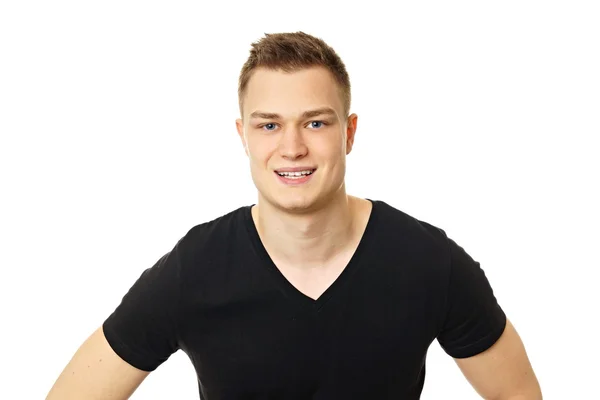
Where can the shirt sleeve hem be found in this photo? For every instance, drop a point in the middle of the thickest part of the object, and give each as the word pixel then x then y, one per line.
pixel 125 353
pixel 481 345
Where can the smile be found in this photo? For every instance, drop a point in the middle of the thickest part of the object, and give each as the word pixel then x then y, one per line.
pixel 295 177
pixel 295 174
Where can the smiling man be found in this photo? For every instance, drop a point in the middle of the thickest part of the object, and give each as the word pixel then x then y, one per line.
pixel 310 293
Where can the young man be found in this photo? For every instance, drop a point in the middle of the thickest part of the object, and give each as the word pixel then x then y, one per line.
pixel 311 293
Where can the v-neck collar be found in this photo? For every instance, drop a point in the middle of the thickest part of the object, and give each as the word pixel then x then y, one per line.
pixel 286 286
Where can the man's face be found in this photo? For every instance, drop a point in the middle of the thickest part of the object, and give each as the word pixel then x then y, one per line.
pixel 296 136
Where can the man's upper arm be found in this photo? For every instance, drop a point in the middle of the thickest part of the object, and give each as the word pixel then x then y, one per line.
pixel 96 372
pixel 478 335
pixel 135 339
pixel 503 371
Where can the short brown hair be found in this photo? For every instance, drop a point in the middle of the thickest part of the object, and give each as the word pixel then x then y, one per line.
pixel 291 52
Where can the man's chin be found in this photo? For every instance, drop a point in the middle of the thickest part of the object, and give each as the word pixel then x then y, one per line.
pixel 294 204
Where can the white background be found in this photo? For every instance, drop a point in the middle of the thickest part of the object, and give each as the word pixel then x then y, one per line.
pixel 117 136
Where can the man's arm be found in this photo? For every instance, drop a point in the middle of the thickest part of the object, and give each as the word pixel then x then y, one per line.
pixel 502 372
pixel 135 339
pixel 96 372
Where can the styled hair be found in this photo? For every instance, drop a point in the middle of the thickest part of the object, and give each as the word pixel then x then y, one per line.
pixel 291 52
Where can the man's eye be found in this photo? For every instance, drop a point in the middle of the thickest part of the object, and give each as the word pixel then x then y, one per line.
pixel 268 127
pixel 316 124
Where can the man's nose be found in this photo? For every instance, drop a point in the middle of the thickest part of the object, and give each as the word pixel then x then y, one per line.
pixel 292 145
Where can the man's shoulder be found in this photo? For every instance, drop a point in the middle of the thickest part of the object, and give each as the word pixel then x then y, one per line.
pixel 395 221
pixel 212 233
pixel 233 219
pixel 402 236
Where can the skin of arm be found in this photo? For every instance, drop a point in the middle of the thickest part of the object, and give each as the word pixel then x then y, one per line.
pixel 96 372
pixel 503 372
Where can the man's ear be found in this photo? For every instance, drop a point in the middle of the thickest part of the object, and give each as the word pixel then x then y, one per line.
pixel 351 132
pixel 239 125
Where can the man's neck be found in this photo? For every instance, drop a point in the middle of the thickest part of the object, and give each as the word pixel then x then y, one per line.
pixel 309 240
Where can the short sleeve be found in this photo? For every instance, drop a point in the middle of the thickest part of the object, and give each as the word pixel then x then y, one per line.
pixel 474 320
pixel 143 329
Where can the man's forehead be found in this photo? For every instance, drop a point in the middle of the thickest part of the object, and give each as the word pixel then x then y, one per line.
pixel 289 96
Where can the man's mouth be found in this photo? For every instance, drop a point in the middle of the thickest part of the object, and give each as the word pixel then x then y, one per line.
pixel 295 174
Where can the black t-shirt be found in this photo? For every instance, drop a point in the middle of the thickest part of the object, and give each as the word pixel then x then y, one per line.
pixel 250 334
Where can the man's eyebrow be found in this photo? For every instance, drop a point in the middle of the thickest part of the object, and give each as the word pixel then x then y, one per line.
pixel 305 114
pixel 264 115
pixel 318 111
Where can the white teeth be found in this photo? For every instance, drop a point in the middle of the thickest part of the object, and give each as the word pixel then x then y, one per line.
pixel 294 175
